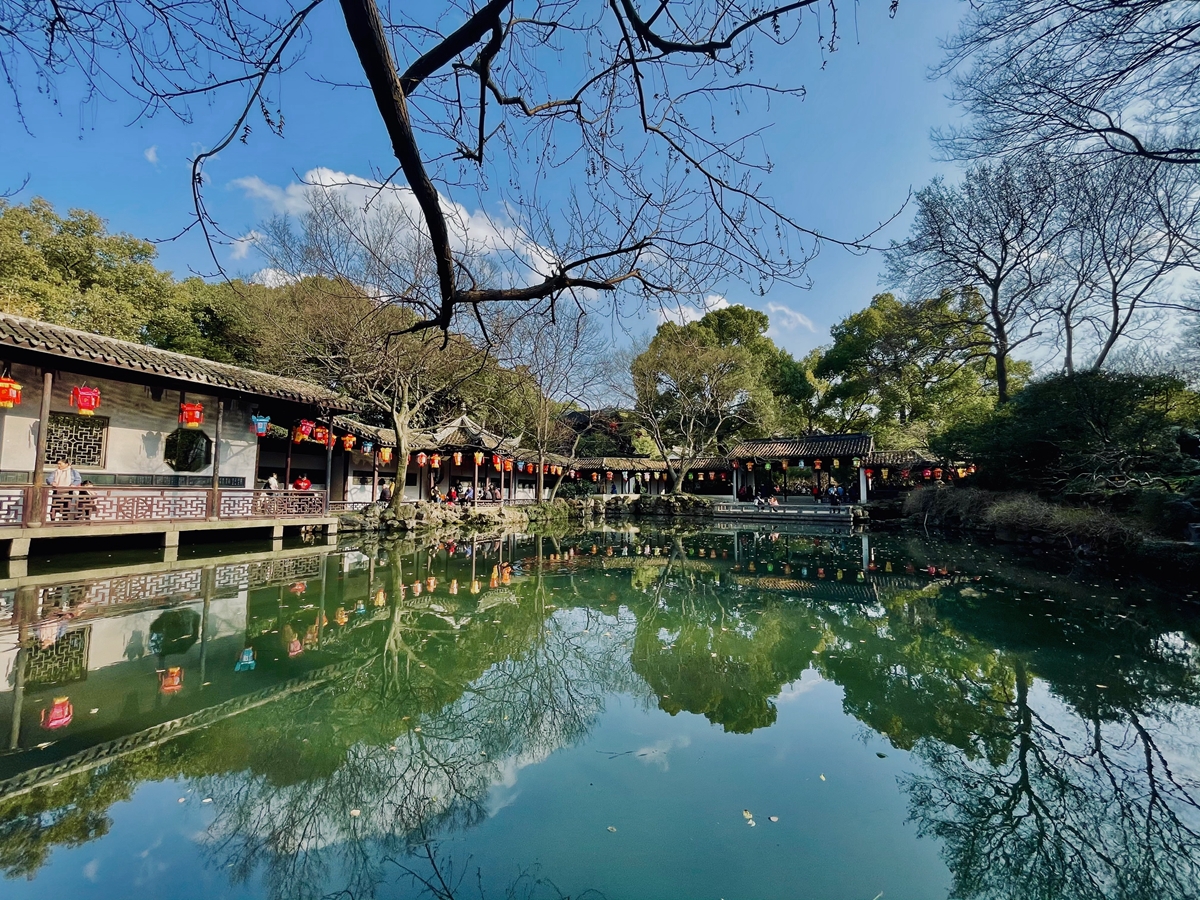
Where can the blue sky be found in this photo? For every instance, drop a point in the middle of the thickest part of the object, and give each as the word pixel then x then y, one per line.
pixel 846 157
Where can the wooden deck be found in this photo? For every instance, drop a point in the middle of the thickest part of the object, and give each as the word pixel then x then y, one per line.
pixel 794 511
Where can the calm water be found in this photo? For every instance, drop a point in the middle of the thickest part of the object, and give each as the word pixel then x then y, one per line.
pixel 725 714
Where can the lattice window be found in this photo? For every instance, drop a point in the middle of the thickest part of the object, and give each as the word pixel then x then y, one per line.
pixel 62 661
pixel 79 439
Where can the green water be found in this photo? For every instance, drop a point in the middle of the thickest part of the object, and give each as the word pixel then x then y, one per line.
pixel 725 714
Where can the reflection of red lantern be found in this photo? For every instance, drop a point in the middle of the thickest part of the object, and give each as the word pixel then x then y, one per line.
pixel 10 393
pixel 435 461
pixel 927 472
pixel 170 680
pixel 479 457
pixel 421 460
pixel 306 426
pixel 320 434
pixel 385 454
pixel 348 441
pixel 260 424
pixel 59 715
pixel 191 415
pixel 937 473
pixel 458 459
pixel 86 398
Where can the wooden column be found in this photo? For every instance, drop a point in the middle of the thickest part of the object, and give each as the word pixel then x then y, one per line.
pixel 37 506
pixel 475 484
pixel 287 468
pixel 374 474
pixel 329 464
pixel 214 503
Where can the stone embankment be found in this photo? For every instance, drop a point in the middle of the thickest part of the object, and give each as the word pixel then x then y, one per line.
pixel 410 517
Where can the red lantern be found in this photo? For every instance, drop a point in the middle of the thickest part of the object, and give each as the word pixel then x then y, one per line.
pixel 297 435
pixel 191 415
pixel 422 459
pixel 59 715
pixel 170 680
pixel 479 457
pixel 495 460
pixel 608 475
pixel 736 464
pixel 937 473
pixel 817 464
pixel 712 476
pixel 10 393
pixel 783 463
pixel 348 441
pixel 595 476
pixel 749 467
pixel 508 465
pixel 904 473
pixel 435 461
pixel 306 427
pixel 927 472
pixel 86 398
pixel 320 434
pixel 870 472
pixel 458 459
pixel 385 454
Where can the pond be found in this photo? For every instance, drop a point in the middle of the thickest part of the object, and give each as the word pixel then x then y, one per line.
pixel 726 713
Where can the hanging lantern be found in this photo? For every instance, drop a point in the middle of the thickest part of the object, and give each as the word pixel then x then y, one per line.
pixel 320 434
pixel 330 439
pixel 870 473
pixel 385 454
pixel 368 446
pixel 927 472
pixel 381 597
pixel 297 436
pixel 749 467
pixel 712 476
pixel 496 460
pixel 767 466
pixel 348 441
pixel 856 462
pixel 608 476
pixel 422 459
pixel 435 461
pixel 937 473
pixel 904 474
pixel 170 680
pixel 86 398
pixel 408 460
pixel 479 457
pixel 10 393
pixel 595 476
pixel 783 464
pixel 645 476
pixel 191 415
pixel 724 477
pixel 817 465
pixel 458 458
pixel 735 464
pixel 837 463
pixel 800 463
pixel 430 583
pixel 260 425
pixel 508 465
pixel 306 427
pixel 883 473
pixel 691 475
pixel 971 469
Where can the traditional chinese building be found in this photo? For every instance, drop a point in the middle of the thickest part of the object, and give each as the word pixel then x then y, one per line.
pixel 164 443
pixel 819 459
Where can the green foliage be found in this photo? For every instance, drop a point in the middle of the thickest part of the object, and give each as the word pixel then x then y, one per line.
pixel 1084 432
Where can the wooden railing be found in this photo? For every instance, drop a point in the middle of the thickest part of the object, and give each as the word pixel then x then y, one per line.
pixel 255 504
pixel 14 505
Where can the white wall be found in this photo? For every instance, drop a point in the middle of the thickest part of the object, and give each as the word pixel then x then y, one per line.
pixel 138 427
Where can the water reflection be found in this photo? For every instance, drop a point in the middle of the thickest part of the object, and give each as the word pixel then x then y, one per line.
pixel 347 712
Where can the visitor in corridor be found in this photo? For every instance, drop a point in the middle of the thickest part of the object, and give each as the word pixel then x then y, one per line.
pixel 273 482
pixel 385 494
pixel 302 483
pixel 62 479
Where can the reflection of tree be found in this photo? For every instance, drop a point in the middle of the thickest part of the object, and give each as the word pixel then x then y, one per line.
pixel 1077 809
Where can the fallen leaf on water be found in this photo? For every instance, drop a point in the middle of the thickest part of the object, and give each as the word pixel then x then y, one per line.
pixel 750 822
pixel 746 814
pixel 773 818
pixel 183 799
pixel 206 800
pixel 610 828
pixel 356 813
pixel 1102 686
pixel 881 755
pixel 822 777
pixel 418 728
pixel 96 710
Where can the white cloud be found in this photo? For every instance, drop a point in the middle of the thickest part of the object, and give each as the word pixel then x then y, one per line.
pixel 681 313
pixel 243 245
pixel 656 754
pixel 788 319
pixel 151 154
pixel 271 277
pixel 477 231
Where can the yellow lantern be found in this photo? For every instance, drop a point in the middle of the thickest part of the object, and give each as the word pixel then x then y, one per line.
pixel 385 454
pixel 479 457
pixel 458 459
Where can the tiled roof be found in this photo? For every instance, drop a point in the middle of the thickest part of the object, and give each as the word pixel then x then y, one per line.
pixel 384 437
pixel 813 446
pixel 897 458
pixel 68 343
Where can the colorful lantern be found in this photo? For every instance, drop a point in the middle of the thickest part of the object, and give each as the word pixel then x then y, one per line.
pixel 421 460
pixel 297 436
pixel 595 476
pixel 191 415
pixel 348 441
pixel 783 463
pixel 521 466
pixel 260 424
pixel 971 469
pixel 435 461
pixel 608 476
pixel 927 472
pixel 170 680
pixel 856 462
pixel 870 473
pixel 59 715
pixel 385 454
pixel 10 393
pixel 883 473
pixel 458 459
pixel 381 597
pixel 479 457
pixel 767 466
pixel 749 467
pixel 495 461
pixel 454 586
pixel 306 426
pixel 86 398
pixel 817 464
pixel 508 465
pixel 937 473
pixel 368 446
pixel 904 474
pixel 837 463
pixel 735 464
pixel 320 434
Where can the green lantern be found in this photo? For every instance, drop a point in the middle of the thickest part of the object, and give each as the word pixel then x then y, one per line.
pixel 767 466
pixel 857 462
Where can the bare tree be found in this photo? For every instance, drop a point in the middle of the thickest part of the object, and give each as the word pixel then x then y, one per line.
pixel 664 200
pixel 995 233
pixel 555 365
pixel 1123 227
pixel 1119 76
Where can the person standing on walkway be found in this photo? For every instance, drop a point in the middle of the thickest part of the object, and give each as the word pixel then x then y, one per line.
pixel 62 479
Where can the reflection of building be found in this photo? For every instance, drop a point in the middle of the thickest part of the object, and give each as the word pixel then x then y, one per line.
pixel 166 442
